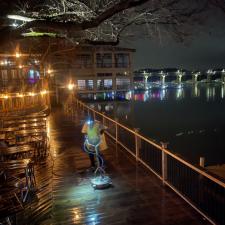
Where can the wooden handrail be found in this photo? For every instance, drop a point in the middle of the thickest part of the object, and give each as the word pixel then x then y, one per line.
pixel 200 171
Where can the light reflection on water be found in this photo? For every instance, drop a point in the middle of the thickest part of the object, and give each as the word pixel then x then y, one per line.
pixel 191 118
pixel 76 215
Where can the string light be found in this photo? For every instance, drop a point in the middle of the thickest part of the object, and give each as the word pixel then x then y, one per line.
pixel 43 92
pixel 49 71
pixel 4 62
pixel 32 94
pixel 21 95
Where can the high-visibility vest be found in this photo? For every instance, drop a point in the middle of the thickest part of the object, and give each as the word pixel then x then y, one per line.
pixel 93 134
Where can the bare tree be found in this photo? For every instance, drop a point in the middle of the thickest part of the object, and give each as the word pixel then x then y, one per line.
pixel 106 21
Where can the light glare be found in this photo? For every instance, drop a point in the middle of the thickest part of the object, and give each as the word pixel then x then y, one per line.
pixel 17 54
pixel 21 18
pixel 70 86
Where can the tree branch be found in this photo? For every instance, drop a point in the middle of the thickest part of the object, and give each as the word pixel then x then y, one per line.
pixel 104 21
pixel 123 5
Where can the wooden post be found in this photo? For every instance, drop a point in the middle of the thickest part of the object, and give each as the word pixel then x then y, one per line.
pixel 10 100
pixel 57 94
pixel 202 162
pixel 137 153
pixel 3 105
pixel 94 115
pixel 103 119
pixel 116 130
pixel 164 162
pixel 1 123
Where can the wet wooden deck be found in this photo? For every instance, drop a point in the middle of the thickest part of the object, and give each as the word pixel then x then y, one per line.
pixel 65 195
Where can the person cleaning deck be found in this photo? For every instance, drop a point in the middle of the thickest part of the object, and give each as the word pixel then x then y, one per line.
pixel 94 133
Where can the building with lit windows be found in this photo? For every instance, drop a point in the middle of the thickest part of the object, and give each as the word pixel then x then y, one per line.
pixel 22 85
pixel 102 69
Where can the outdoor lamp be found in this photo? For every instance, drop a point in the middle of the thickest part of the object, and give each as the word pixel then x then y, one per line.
pixel 70 86
pixel 17 54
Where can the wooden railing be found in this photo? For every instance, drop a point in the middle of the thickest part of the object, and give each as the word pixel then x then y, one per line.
pixel 204 192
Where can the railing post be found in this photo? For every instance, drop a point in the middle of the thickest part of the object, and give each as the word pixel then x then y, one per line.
pixel 103 119
pixel 137 144
pixel 202 162
pixel 3 105
pixel 116 130
pixel 164 162
pixel 94 116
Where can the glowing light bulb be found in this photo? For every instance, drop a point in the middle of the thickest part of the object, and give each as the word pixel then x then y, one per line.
pixel 20 95
pixel 17 54
pixel 70 86
pixel 43 92
pixel 5 62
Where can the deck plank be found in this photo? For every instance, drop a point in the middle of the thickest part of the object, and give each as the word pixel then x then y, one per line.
pixel 136 197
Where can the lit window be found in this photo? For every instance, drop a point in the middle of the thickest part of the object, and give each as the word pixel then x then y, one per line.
pixel 81 85
pixel 90 84
pixel 105 84
pixel 122 83
pixel 31 74
pixel 100 84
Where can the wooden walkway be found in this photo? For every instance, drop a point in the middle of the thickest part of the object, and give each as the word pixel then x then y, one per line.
pixel 66 197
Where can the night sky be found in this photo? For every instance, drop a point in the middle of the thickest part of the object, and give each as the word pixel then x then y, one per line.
pixel 203 50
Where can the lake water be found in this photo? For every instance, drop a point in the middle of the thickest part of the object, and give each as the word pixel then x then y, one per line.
pixel 190 118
